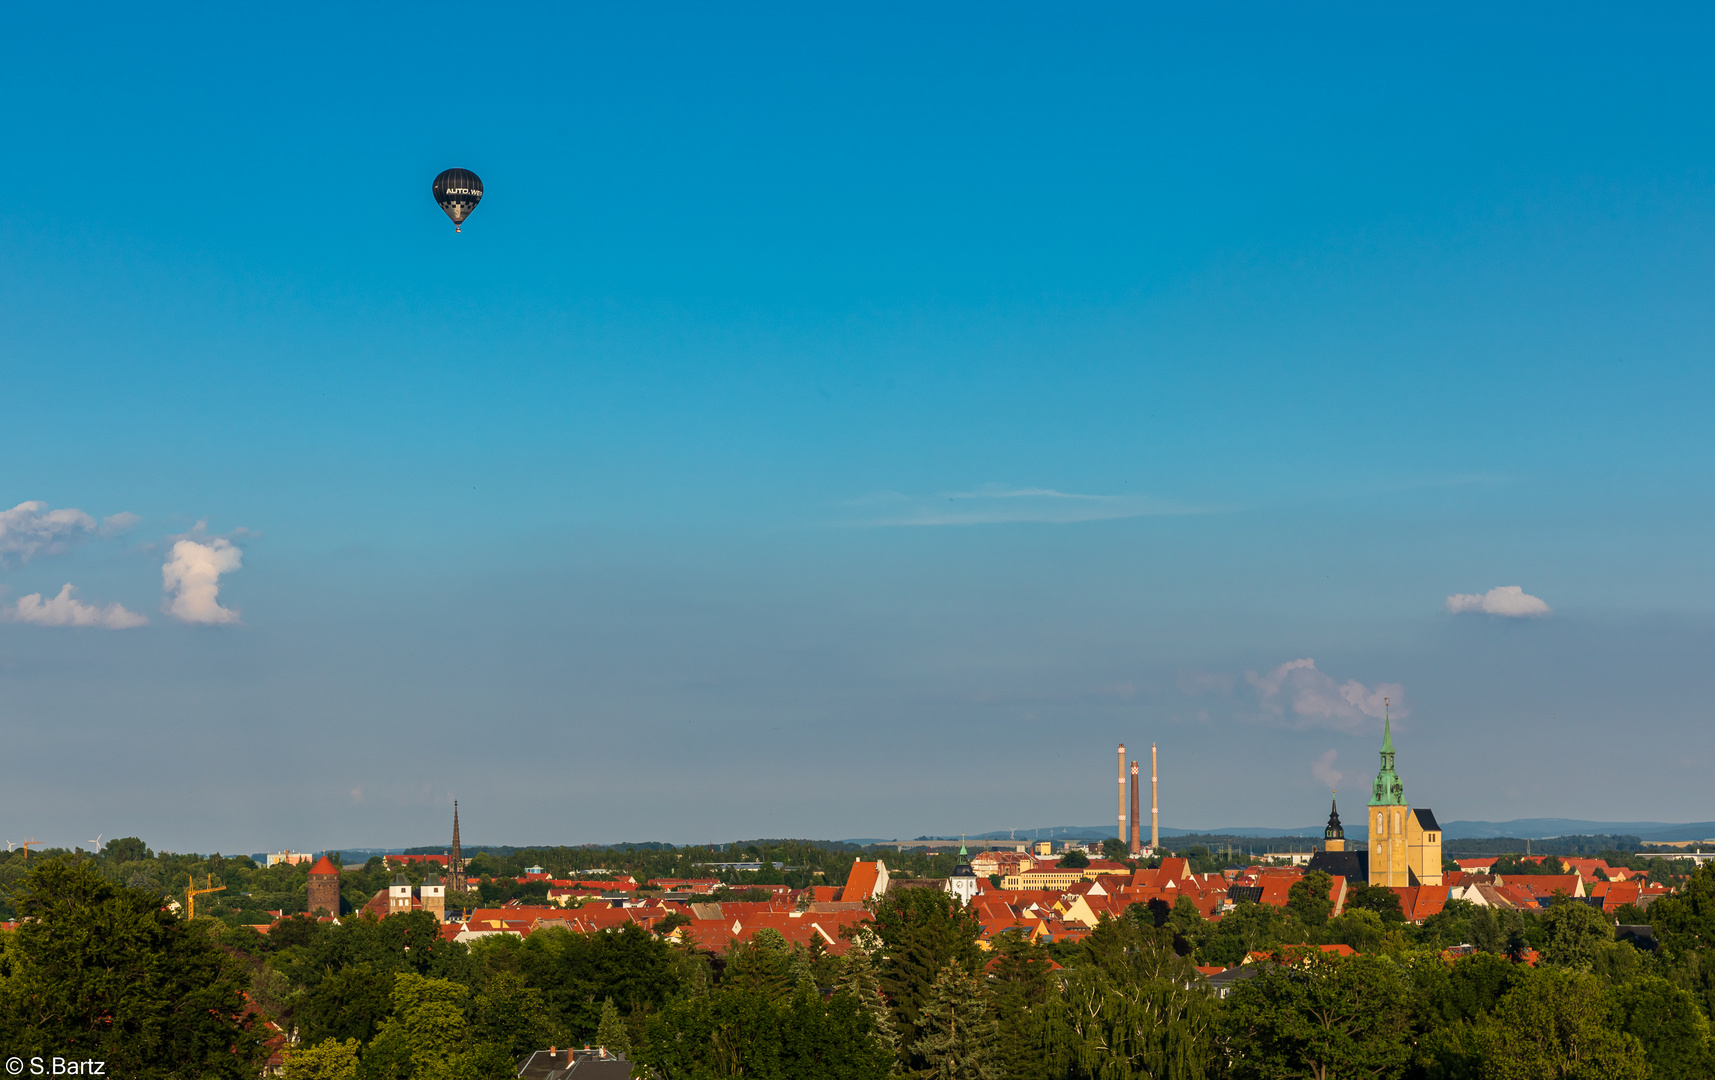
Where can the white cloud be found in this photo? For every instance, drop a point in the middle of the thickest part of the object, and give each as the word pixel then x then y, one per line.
pixel 115 524
pixel 31 529
pixel 192 574
pixel 1323 769
pixel 1297 694
pixel 1509 601
pixel 67 610
pixel 994 504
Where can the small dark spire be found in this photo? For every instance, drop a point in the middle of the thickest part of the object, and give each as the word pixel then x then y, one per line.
pixel 1334 831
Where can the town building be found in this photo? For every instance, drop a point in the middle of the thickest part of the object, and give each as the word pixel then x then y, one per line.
pixel 867 879
pixel 323 888
pixel 964 882
pixel 434 896
pixel 1334 860
pixel 1405 844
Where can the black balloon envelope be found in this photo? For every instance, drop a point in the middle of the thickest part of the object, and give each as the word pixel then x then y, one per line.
pixel 458 191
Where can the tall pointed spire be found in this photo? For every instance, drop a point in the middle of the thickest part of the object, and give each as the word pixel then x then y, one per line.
pixel 1388 790
pixel 455 857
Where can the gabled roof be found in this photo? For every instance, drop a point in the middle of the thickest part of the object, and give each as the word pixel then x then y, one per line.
pixel 1549 884
pixel 860 886
pixel 1426 820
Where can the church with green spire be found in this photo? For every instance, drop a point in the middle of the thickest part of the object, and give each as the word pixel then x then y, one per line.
pixel 1404 844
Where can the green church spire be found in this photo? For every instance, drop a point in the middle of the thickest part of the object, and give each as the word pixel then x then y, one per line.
pixel 1388 790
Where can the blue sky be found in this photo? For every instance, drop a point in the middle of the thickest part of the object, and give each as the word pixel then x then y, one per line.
pixel 850 422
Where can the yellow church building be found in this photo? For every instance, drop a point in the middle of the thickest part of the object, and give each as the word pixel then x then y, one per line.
pixel 1405 844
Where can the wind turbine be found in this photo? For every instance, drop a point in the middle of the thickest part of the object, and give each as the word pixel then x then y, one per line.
pixel 96 843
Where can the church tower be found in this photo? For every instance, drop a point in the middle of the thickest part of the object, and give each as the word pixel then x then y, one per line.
pixel 1334 837
pixel 1405 844
pixel 455 857
pixel 1388 863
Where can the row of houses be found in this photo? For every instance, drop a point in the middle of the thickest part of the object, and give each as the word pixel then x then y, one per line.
pixel 1036 896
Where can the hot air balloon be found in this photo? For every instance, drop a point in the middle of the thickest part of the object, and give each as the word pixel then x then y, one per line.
pixel 458 191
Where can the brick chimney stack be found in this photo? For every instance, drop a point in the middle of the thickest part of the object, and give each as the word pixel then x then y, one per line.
pixel 1136 825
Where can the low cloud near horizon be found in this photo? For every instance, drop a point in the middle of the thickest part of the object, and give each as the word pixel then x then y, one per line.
pixel 192 575
pixel 1299 695
pixel 66 610
pixel 1507 601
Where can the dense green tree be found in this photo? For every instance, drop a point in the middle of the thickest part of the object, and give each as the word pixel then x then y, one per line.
pixel 1618 962
pixel 1685 921
pixel 610 1032
pixel 762 965
pixel 1247 928
pixel 408 942
pixel 859 980
pixel 1516 933
pixel 1074 860
pixel 1554 1025
pixel 508 1020
pixel 127 849
pixel 1574 933
pixel 1449 926
pixel 1021 984
pixel 1308 899
pixel 1132 1008
pixel 1116 850
pixel 296 930
pixel 959 1039
pixel 577 972
pixel 1377 898
pixel 1667 1021
pixel 426 1035
pixel 1452 1004
pixel 921 932
pixel 732 1033
pixel 1324 1017
pixel 1187 923
pixel 350 1003
pixel 1476 984
pixel 329 1059
pixel 831 1040
pixel 100 970
pixel 1486 932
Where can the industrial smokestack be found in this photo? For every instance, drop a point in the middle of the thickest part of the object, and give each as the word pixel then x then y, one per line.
pixel 1122 793
pixel 1154 805
pixel 1136 826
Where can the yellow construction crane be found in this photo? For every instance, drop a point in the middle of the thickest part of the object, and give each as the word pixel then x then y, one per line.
pixel 26 846
pixel 192 892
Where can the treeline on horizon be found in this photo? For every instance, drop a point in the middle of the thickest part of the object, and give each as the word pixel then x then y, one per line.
pixel 98 969
pixel 1582 845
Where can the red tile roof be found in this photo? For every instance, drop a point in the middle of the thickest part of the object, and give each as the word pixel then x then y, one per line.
pixel 860 886
pixel 324 866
